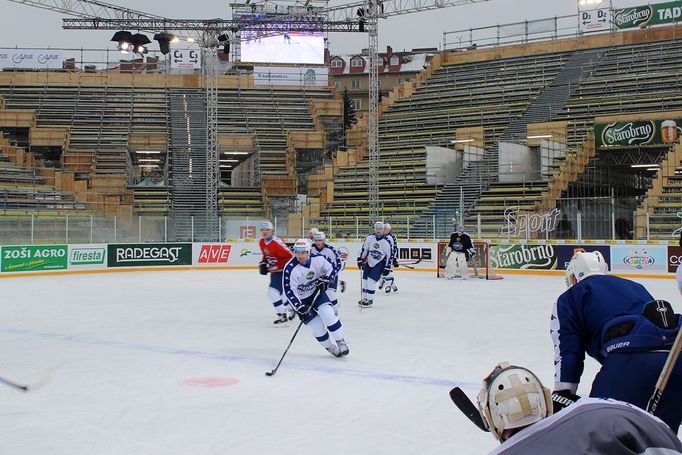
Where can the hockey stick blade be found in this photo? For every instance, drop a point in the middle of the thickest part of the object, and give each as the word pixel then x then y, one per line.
pixel 468 408
pixel 29 387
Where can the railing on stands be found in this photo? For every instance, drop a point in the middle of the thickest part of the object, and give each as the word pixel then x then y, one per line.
pixel 550 28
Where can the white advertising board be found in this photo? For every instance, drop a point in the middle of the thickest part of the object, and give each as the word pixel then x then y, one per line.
pixel 31 58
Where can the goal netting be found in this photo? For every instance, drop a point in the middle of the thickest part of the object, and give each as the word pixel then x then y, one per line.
pixel 479 265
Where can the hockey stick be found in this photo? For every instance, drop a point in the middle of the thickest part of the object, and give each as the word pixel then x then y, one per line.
pixel 28 387
pixel 468 408
pixel 272 373
pixel 409 266
pixel 665 374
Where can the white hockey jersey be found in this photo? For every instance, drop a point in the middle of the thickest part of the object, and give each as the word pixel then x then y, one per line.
pixel 375 250
pixel 330 253
pixel 300 280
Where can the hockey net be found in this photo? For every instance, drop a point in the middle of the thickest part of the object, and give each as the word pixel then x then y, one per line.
pixel 479 265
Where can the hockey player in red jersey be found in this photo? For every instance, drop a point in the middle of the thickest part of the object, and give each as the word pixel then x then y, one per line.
pixel 276 254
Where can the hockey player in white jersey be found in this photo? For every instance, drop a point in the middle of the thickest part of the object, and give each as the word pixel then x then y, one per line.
pixel 392 263
pixel 305 282
pixel 373 262
pixel 459 250
pixel 321 247
pixel 311 234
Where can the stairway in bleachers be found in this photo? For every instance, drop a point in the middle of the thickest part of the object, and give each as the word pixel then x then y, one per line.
pixel 188 164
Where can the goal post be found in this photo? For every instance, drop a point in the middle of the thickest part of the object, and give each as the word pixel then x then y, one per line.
pixel 479 265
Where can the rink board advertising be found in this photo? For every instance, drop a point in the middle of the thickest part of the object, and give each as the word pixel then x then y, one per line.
pixel 638 258
pixel 564 253
pixel 674 258
pixel 149 254
pixel 33 258
pixel 523 257
pixel 211 254
pixel 90 257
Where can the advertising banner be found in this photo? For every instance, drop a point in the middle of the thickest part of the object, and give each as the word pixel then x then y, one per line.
pixel 564 253
pixel 637 132
pixel 646 15
pixel 674 258
pixel 523 257
pixel 149 254
pixel 211 254
pixel 284 75
pixel 638 258
pixel 34 59
pixel 33 258
pixel 87 257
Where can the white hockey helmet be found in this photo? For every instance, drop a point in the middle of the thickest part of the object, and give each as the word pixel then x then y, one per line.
pixel 387 227
pixel 584 264
pixel 319 235
pixel 512 397
pixel 265 225
pixel 378 226
pixel 312 232
pixel 302 245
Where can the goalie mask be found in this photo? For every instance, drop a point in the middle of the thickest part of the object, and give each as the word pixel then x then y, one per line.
pixel 512 397
pixel 585 264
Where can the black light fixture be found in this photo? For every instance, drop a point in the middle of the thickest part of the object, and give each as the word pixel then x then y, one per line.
pixel 139 43
pixel 164 39
pixel 225 40
pixel 124 40
pixel 361 14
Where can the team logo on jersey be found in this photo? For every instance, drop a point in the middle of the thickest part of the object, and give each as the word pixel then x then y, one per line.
pixel 310 275
pixel 266 251
pixel 376 245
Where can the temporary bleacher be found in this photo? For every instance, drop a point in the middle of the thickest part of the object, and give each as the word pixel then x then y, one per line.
pixel 462 95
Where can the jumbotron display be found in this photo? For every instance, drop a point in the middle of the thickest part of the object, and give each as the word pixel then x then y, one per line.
pixel 301 47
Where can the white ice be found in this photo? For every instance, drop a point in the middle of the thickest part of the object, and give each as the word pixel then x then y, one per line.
pixel 122 345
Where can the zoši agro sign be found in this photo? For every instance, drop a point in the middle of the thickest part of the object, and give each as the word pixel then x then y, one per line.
pixel 33 258
pixel 646 15
pixel 523 257
pixel 637 132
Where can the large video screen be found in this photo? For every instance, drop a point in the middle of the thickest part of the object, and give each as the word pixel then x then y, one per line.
pixel 282 47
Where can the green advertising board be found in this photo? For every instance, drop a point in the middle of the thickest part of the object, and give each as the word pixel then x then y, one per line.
pixel 636 133
pixel 523 257
pixel 33 258
pixel 646 15
pixel 149 254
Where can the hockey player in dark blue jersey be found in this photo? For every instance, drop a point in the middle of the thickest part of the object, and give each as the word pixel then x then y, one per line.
pixel 619 324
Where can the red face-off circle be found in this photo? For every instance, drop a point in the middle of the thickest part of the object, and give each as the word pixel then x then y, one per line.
pixel 210 382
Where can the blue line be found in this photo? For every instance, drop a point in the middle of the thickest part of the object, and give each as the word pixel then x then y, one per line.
pixel 377 375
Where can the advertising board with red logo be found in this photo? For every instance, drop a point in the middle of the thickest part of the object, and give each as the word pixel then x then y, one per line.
pixel 211 254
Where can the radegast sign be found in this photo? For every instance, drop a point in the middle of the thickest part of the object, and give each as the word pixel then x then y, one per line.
pixel 637 132
pixel 149 254
pixel 33 258
pixel 646 15
pixel 523 257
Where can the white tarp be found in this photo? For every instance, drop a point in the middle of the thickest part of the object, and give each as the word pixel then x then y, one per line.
pixel 284 75
pixel 31 58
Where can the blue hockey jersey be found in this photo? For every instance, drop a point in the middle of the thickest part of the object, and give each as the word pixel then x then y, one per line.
pixel 579 316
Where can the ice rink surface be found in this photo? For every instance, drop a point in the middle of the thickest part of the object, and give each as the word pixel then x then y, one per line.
pixel 130 351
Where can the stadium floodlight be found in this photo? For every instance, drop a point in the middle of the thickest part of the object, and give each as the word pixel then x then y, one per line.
pixel 124 40
pixel 462 141
pixel 539 136
pixel 645 165
pixel 164 39
pixel 139 42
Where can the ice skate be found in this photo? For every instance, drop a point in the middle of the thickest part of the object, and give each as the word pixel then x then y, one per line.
pixel 334 350
pixel 365 303
pixel 343 347
pixel 342 286
pixel 282 318
pixel 381 283
pixel 395 288
pixel 388 289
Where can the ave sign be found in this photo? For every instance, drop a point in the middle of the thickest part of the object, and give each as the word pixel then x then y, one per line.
pixel 595 20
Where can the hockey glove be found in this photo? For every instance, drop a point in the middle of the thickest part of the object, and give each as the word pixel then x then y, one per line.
pixel 322 284
pixel 472 252
pixel 304 313
pixel 385 272
pixel 562 399
pixel 361 264
pixel 395 263
pixel 263 268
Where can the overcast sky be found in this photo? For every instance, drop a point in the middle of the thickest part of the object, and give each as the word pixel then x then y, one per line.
pixel 25 26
